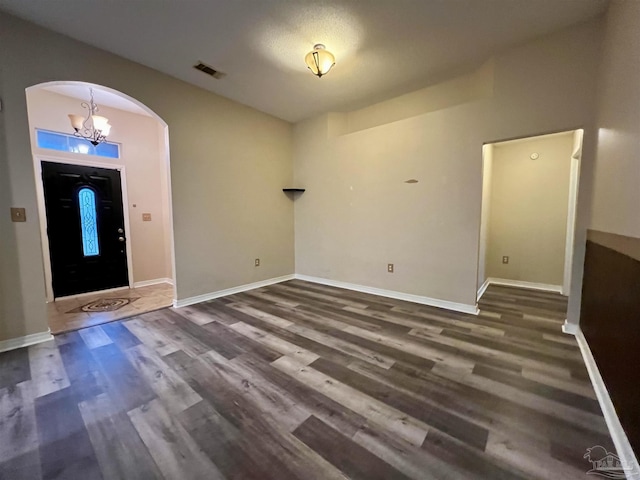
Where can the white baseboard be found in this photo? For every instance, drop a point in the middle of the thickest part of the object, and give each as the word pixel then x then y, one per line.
pixel 570 328
pixel 482 289
pixel 619 437
pixel 155 281
pixel 432 302
pixel 230 291
pixel 547 287
pixel 25 341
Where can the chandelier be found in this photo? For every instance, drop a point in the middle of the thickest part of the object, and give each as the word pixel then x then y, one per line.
pixel 93 128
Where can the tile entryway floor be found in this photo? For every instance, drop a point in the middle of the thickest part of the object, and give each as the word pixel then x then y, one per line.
pixel 84 311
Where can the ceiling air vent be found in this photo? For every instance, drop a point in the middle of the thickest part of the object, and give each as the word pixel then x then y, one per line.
pixel 204 68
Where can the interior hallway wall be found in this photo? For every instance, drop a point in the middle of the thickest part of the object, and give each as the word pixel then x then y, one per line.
pixel 143 156
pixel 229 164
pixel 529 209
pixel 616 192
pixel 358 214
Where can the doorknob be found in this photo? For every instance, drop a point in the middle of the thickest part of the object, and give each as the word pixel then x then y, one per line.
pixel 121 239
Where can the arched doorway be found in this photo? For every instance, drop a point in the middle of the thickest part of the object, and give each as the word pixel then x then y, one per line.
pixel 105 210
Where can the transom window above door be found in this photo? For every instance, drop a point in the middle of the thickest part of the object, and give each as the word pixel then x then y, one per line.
pixel 68 143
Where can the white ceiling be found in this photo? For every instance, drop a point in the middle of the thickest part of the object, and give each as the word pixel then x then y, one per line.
pixel 383 48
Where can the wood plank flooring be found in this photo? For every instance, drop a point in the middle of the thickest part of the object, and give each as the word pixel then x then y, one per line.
pixel 304 381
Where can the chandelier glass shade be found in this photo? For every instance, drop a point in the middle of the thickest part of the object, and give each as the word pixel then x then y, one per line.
pixel 91 127
pixel 320 60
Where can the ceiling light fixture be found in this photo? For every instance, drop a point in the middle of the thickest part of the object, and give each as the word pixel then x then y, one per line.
pixel 93 128
pixel 320 60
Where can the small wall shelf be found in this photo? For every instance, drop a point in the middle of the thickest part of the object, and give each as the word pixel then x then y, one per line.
pixel 293 190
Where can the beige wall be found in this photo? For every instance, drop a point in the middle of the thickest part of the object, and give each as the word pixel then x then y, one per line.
pixel 11 301
pixel 228 165
pixel 459 90
pixel 143 157
pixel 616 201
pixel 529 205
pixel 357 214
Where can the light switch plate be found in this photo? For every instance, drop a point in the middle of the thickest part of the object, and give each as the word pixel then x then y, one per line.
pixel 146 217
pixel 18 214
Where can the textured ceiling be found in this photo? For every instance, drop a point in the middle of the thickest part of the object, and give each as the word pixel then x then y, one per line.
pixel 383 48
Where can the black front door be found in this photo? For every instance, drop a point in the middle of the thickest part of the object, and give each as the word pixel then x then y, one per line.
pixel 85 225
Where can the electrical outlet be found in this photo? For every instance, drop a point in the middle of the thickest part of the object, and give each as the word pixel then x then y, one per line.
pixel 146 217
pixel 18 214
pixel 505 259
pixel 257 262
pixel 390 267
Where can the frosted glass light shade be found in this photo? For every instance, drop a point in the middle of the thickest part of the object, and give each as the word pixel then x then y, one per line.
pixel 76 121
pixel 96 130
pixel 99 122
pixel 320 60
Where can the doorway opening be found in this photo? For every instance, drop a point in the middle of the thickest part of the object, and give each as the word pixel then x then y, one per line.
pixel 529 202
pixel 105 210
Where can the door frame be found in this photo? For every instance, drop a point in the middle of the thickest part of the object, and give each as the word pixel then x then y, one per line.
pixel 42 213
pixel 574 181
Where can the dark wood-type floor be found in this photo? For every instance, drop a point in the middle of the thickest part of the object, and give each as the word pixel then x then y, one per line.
pixel 304 381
